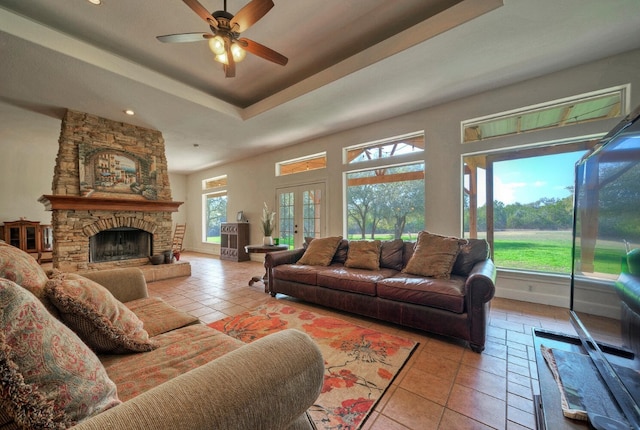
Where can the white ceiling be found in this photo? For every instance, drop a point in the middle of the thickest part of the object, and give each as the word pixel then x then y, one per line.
pixel 350 63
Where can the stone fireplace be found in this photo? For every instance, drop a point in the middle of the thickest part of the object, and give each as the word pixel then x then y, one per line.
pixel 111 202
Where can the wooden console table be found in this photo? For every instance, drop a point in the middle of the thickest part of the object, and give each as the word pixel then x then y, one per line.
pixel 263 249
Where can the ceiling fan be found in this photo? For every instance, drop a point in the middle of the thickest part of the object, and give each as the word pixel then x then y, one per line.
pixel 225 42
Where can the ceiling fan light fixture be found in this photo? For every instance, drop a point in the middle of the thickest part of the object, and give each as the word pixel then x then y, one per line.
pixel 237 52
pixel 216 44
pixel 222 58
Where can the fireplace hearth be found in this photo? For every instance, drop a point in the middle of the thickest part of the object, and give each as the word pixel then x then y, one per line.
pixel 118 244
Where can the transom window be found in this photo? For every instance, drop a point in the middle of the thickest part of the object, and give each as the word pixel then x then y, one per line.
pixel 302 164
pixel 218 181
pixel 386 148
pixel 607 103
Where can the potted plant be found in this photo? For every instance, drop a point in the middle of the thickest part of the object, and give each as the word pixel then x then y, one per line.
pixel 268 222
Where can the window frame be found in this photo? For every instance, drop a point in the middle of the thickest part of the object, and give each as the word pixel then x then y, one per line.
pixel 584 143
pixel 218 190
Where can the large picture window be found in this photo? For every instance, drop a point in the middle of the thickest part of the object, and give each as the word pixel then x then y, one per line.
pixel 385 202
pixel 522 203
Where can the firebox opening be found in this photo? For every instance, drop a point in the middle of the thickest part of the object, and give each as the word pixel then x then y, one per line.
pixel 122 243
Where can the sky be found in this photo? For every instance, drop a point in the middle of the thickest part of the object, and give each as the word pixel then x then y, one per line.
pixel 530 179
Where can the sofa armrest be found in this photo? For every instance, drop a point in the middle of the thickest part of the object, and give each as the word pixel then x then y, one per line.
pixel 480 285
pixel 273 259
pixel 125 284
pixel 267 384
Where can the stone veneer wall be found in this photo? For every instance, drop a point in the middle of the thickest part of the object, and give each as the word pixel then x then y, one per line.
pixel 73 228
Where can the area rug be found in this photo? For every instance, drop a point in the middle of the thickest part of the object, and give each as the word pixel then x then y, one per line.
pixel 360 363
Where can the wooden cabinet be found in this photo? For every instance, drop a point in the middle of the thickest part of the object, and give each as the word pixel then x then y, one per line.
pixel 233 238
pixel 25 235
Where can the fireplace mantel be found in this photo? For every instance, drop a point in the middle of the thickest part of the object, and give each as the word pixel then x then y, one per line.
pixel 52 202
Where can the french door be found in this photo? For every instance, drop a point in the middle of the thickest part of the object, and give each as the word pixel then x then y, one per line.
pixel 301 213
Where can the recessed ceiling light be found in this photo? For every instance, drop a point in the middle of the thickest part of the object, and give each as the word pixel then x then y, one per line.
pixel 96 2
pixel 129 111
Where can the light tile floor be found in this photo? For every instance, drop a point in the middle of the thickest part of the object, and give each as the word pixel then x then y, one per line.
pixel 444 385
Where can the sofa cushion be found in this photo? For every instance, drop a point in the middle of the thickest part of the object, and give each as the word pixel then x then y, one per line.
pixel 103 322
pixel 21 268
pixel 354 280
pixel 391 254
pixel 472 252
pixel 363 254
pixel 297 273
pixel 320 251
pixel 159 316
pixel 50 378
pixel 433 255
pixel 178 352
pixel 445 294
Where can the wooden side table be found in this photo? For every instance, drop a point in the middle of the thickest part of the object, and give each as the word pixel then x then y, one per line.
pixel 263 249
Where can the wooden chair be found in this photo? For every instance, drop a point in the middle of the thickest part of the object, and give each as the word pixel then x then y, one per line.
pixel 178 236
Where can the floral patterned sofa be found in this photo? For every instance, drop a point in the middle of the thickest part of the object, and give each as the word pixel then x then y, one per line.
pixel 95 352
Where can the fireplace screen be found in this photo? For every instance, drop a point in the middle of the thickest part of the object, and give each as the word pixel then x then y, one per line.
pixel 122 243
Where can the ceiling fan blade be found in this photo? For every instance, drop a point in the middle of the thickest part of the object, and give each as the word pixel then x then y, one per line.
pixel 230 67
pixel 202 12
pixel 262 51
pixel 184 37
pixel 250 14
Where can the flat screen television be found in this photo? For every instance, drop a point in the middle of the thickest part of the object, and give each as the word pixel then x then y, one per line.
pixel 605 279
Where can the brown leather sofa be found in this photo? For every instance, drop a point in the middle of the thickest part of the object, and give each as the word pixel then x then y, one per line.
pixel 456 307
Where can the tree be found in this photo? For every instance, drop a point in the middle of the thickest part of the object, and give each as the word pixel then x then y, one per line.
pixel 360 199
pixel 403 199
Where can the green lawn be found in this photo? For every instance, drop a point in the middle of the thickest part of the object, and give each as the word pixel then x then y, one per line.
pixel 550 251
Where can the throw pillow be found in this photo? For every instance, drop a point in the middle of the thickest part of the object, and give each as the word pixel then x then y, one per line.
pixel 363 254
pixel 391 253
pixel 320 251
pixel 341 253
pixel 473 251
pixel 21 268
pixel 48 377
pixel 103 322
pixel 433 256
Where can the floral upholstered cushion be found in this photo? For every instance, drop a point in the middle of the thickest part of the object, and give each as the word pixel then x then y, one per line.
pixel 21 268
pixel 49 377
pixel 178 352
pixel 320 251
pixel 102 321
pixel 434 255
pixel 159 316
pixel 363 254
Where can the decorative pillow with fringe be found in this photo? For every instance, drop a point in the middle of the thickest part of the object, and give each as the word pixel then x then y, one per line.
pixel 320 251
pixel 49 379
pixel 21 268
pixel 101 321
pixel 434 255
pixel 363 254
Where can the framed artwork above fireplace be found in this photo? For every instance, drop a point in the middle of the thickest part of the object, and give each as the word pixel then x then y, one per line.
pixel 111 173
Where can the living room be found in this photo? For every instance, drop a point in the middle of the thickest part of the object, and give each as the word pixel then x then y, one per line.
pixel 31 130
